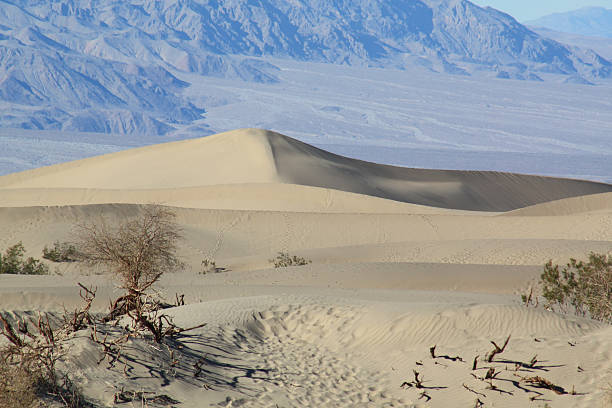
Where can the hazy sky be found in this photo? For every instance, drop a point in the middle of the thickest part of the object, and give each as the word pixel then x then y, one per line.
pixel 524 10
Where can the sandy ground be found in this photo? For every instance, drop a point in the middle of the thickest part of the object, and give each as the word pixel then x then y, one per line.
pixel 402 260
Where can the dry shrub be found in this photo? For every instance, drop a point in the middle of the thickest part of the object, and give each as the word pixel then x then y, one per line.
pixel 138 252
pixel 584 286
pixel 284 260
pixel 28 364
pixel 18 386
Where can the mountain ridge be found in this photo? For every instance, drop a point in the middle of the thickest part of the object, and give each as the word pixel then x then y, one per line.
pixel 588 21
pixel 112 66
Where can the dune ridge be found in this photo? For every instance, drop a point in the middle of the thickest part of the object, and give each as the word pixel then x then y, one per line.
pixel 256 156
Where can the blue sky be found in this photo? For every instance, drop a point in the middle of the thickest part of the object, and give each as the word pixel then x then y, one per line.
pixel 524 10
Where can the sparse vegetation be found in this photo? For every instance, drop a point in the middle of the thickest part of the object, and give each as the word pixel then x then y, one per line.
pixel 284 260
pixel 14 262
pixel 585 287
pixel 19 388
pixel 209 266
pixel 61 252
pixel 607 394
pixel 28 364
pixel 138 252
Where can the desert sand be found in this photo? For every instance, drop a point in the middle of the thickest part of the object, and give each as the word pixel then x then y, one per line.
pixel 402 260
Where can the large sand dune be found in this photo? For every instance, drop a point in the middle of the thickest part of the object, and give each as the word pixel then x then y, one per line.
pixel 256 156
pixel 402 259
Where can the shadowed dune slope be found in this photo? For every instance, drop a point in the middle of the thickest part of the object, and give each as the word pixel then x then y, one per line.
pixel 299 163
pixel 257 156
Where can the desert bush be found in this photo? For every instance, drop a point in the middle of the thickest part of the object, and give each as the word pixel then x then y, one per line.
pixel 584 286
pixel 19 388
pixel 283 260
pixel 208 266
pixel 138 252
pixel 14 262
pixel 28 360
pixel 61 252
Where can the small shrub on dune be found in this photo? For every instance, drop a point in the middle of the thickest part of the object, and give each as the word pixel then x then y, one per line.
pixel 14 262
pixel 209 266
pixel 585 287
pixel 61 252
pixel 18 386
pixel 138 252
pixel 284 260
pixel 28 357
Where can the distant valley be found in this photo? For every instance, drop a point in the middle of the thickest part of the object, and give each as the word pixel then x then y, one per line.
pixel 469 86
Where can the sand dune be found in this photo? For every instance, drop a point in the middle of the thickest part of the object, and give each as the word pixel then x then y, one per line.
pixel 256 156
pixel 247 239
pixel 569 206
pixel 255 197
pixel 402 259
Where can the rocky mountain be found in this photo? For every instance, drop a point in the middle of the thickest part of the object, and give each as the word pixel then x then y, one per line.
pixel 123 66
pixel 591 21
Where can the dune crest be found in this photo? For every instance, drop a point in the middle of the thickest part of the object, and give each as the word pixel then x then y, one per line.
pixel 253 156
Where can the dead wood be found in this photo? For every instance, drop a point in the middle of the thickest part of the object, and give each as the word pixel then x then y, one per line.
pixel 541 382
pixel 497 350
pixel 473 391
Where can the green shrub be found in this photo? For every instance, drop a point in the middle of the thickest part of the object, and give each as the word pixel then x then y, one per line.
pixel 584 286
pixel 61 252
pixel 284 260
pixel 13 262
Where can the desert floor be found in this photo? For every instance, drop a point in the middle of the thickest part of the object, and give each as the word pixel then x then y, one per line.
pixel 402 260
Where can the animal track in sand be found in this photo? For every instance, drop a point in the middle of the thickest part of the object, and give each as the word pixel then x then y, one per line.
pixel 304 372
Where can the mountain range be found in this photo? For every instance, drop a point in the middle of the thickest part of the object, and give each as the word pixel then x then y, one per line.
pixel 590 21
pixel 113 66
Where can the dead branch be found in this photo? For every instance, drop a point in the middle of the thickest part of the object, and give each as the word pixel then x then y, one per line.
pixel 417 383
pixel 198 366
pixel 473 391
pixel 475 363
pixel 533 362
pixel 9 332
pixel 494 387
pixel 497 350
pixel 540 382
pixel 491 374
pixel 425 395
pixel 81 318
pixel 432 352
